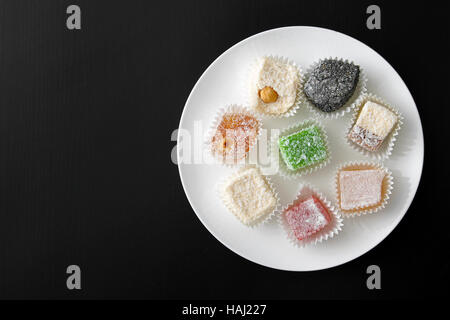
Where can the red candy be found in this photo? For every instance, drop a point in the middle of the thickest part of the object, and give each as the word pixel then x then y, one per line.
pixel 307 217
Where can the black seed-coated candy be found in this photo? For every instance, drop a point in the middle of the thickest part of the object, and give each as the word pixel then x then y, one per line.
pixel 331 84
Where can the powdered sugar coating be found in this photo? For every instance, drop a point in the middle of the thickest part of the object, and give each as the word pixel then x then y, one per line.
pixel 249 196
pixel 360 188
pixel 282 77
pixel 307 217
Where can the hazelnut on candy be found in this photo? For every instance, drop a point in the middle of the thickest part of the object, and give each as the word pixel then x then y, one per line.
pixel 268 94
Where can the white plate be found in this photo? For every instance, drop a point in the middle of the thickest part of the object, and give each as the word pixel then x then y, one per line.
pixel 222 83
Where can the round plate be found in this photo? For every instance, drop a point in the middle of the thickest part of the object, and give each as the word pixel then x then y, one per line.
pixel 222 84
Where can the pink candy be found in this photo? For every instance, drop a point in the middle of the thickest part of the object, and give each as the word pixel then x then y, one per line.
pixel 360 188
pixel 307 217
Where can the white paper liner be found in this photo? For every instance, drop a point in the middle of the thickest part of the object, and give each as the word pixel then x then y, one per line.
pixel 212 131
pixel 261 220
pixel 300 98
pixel 388 186
pixel 349 105
pixel 385 149
pixel 329 231
pixel 276 156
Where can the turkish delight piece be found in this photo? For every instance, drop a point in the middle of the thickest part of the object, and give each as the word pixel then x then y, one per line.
pixel 307 217
pixel 274 86
pixel 360 188
pixel 303 148
pixel 373 125
pixel 248 195
pixel 331 84
pixel 234 136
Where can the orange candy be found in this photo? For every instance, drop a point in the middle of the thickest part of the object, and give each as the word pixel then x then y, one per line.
pixel 234 135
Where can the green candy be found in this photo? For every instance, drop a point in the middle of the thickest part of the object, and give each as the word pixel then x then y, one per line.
pixel 303 148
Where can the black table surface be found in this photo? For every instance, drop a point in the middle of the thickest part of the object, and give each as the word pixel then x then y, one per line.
pixel 86 177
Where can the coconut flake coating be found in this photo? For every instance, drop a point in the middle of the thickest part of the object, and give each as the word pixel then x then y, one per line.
pixel 331 84
pixel 281 77
pixel 303 148
pixel 307 217
pixel 377 119
pixel 373 125
pixel 249 195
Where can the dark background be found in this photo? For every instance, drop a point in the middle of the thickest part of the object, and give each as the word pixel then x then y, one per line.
pixel 85 172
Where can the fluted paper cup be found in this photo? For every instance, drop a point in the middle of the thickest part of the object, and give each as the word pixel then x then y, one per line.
pixel 329 231
pixel 231 109
pixel 387 187
pixel 259 221
pixel 275 152
pixel 385 149
pixel 252 90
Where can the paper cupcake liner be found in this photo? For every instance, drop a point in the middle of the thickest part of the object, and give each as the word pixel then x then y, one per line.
pixel 261 220
pixel 275 152
pixel 300 97
pixel 212 130
pixel 387 187
pixel 385 150
pixel 349 105
pixel 326 233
